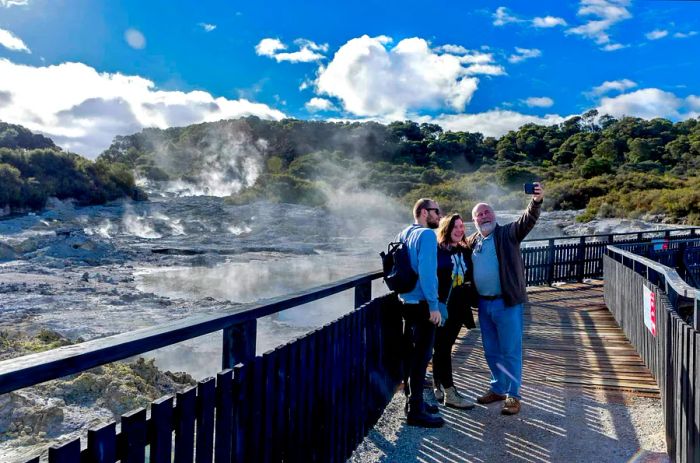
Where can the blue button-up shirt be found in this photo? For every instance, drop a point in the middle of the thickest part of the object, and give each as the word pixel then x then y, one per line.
pixel 485 261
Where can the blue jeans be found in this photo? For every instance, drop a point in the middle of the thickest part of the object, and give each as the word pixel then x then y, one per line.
pixel 502 336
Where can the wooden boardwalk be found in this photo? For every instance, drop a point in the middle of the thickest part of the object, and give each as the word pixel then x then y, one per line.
pixel 571 338
pixel 587 396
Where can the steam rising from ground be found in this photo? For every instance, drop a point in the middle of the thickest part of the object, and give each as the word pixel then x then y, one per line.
pixel 222 163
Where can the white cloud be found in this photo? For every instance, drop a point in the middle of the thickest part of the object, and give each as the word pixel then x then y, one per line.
pixel 694 102
pixel 502 17
pixel 9 3
pixel 485 69
pixel 614 46
pixel 207 27
pixel 605 14
pixel 476 57
pixel 305 55
pixel 493 123
pixel 685 35
pixel 548 21
pixel 372 80
pixel 308 50
pixel 453 49
pixel 613 85
pixel 521 54
pixel 646 103
pixel 539 102
pixel 656 34
pixel 319 104
pixel 135 39
pixel 12 42
pixel 82 109
pixel 268 47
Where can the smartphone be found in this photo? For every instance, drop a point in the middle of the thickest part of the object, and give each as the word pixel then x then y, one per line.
pixel 529 188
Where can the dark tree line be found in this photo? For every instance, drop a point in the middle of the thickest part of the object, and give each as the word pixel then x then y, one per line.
pixel 32 169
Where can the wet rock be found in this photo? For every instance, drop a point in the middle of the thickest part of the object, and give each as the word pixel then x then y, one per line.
pixel 27 415
pixel 85 277
pixel 7 252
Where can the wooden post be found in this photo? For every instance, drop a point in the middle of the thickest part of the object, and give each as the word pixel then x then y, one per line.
pixel 581 257
pixel 363 293
pixel 550 263
pixel 239 343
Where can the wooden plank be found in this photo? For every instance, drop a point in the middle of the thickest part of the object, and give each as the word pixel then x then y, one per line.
pixel 696 404
pixel 224 416
pixel 161 430
pixel 269 402
pixel 239 343
pixel 242 415
pixel 102 444
pixel 185 410
pixel 603 382
pixel 296 394
pixel 131 442
pixel 65 453
pixel 256 400
pixel 206 399
pixel 280 451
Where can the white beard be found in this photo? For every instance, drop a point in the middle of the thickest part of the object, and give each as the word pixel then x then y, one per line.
pixel 485 229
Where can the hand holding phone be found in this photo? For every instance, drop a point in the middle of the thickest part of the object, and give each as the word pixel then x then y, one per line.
pixel 535 189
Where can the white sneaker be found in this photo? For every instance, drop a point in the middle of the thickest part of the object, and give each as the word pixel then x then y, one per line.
pixel 455 400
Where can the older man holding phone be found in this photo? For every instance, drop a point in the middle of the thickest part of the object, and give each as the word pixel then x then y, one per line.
pixel 499 277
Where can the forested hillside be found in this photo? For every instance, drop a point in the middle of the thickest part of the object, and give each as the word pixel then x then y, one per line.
pixel 610 167
pixel 33 168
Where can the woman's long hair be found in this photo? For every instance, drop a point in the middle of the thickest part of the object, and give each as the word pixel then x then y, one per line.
pixel 444 231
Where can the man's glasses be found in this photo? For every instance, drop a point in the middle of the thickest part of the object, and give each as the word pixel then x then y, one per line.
pixel 437 210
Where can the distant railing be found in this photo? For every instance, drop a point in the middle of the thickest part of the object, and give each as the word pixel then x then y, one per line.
pixel 316 396
pixel 576 258
pixel 650 301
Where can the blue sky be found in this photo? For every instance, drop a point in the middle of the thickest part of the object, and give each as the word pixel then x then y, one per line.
pixel 83 71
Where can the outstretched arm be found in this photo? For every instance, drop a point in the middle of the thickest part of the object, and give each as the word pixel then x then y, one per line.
pixel 527 221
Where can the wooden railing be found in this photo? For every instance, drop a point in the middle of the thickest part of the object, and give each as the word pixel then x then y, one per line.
pixel 671 347
pixel 575 258
pixel 313 399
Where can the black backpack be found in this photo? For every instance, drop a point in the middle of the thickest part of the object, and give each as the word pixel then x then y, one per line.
pixel 396 266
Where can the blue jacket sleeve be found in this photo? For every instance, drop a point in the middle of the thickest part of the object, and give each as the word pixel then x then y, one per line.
pixel 427 268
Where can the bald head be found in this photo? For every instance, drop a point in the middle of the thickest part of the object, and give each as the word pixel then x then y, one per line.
pixel 484 218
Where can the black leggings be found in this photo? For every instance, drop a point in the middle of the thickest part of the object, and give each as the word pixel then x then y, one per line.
pixel 445 337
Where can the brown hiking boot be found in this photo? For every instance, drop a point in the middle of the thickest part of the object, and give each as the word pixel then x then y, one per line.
pixel 490 397
pixel 511 407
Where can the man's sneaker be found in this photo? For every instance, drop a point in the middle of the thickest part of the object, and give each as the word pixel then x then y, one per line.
pixel 454 399
pixel 490 397
pixel 511 407
pixel 425 420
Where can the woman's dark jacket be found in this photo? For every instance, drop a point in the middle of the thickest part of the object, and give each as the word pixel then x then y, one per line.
pixel 462 297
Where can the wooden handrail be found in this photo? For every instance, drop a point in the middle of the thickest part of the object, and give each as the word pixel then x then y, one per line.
pixel 43 366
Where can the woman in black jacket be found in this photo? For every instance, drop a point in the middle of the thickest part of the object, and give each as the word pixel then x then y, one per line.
pixel 456 296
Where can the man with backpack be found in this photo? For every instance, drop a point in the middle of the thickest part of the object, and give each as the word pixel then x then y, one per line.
pixel 420 310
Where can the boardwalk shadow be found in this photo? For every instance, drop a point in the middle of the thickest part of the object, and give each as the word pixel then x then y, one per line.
pixel 566 416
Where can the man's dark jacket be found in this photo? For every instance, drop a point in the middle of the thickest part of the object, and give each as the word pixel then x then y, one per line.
pixel 511 267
